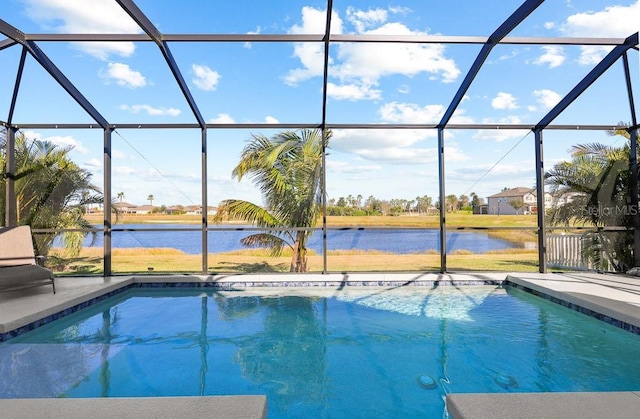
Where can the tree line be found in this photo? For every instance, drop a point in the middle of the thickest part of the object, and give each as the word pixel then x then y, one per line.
pixel 420 205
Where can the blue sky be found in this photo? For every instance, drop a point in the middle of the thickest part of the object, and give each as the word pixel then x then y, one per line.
pixel 282 83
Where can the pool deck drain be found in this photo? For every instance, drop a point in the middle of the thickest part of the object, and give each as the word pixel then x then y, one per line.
pixel 611 298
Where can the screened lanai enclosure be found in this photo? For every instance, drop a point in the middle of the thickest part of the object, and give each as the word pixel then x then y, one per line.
pixel 220 137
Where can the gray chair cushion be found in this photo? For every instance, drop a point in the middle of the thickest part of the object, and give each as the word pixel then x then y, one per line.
pixel 24 276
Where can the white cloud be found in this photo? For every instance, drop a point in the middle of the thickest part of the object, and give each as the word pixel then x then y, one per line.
pixel 592 54
pixel 124 75
pixel 402 155
pixel 365 63
pixel 500 135
pixel 515 173
pixel 93 164
pixel 547 98
pixel 222 118
pixel 359 140
pixel 311 54
pixel 392 146
pixel 350 168
pixel 508 56
pixel 365 19
pixel 553 56
pixel 454 154
pixel 257 31
pixel 150 110
pixel 504 101
pixel 373 61
pixel 117 154
pixel 68 141
pixel 73 16
pixel 411 113
pixel 124 170
pixel 205 78
pixel 614 21
pixel 549 25
pixel 153 175
pixel 61 141
pixel 314 21
pixel 352 92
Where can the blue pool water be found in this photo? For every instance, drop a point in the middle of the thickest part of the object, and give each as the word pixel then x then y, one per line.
pixel 356 352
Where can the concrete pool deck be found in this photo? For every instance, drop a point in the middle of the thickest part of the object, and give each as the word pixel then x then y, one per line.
pixel 612 298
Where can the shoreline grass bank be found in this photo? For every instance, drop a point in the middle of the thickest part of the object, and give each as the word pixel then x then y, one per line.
pixel 164 260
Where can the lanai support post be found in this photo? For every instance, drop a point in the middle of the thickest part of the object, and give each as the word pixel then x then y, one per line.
pixel 633 162
pixel 325 132
pixel 107 202
pixel 11 206
pixel 205 205
pixel 635 211
pixel 540 202
pixel 443 211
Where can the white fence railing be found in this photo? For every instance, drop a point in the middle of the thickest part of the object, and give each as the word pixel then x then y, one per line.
pixel 564 251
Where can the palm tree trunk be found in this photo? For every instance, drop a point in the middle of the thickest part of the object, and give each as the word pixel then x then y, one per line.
pixel 299 256
pixel 294 256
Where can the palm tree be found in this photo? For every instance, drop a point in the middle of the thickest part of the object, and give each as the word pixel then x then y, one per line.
pixel 451 203
pixel 150 198
pixel 288 170
pixel 51 192
pixel 120 196
pixel 594 189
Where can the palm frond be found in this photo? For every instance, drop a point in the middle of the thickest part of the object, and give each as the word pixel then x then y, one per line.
pixel 266 240
pixel 246 211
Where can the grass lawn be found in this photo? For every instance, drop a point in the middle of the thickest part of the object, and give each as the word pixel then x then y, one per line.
pixel 140 260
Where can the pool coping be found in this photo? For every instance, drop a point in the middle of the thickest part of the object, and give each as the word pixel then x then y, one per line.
pixel 583 405
pixel 228 407
pixel 615 303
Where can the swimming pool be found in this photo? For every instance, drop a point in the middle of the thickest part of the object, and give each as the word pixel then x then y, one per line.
pixel 360 352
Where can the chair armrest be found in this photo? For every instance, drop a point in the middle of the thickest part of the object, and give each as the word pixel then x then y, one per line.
pixel 40 260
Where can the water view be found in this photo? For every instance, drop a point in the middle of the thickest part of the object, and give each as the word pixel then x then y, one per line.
pixel 387 240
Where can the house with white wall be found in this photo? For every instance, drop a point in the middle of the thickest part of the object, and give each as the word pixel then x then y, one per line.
pixel 516 201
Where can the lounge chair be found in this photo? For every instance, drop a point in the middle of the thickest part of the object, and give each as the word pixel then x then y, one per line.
pixel 18 267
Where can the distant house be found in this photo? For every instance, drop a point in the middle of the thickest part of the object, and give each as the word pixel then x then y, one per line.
pixel 143 209
pixel 565 197
pixel 174 209
pixel 193 209
pixel 197 210
pixel 125 207
pixel 481 209
pixel 516 201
